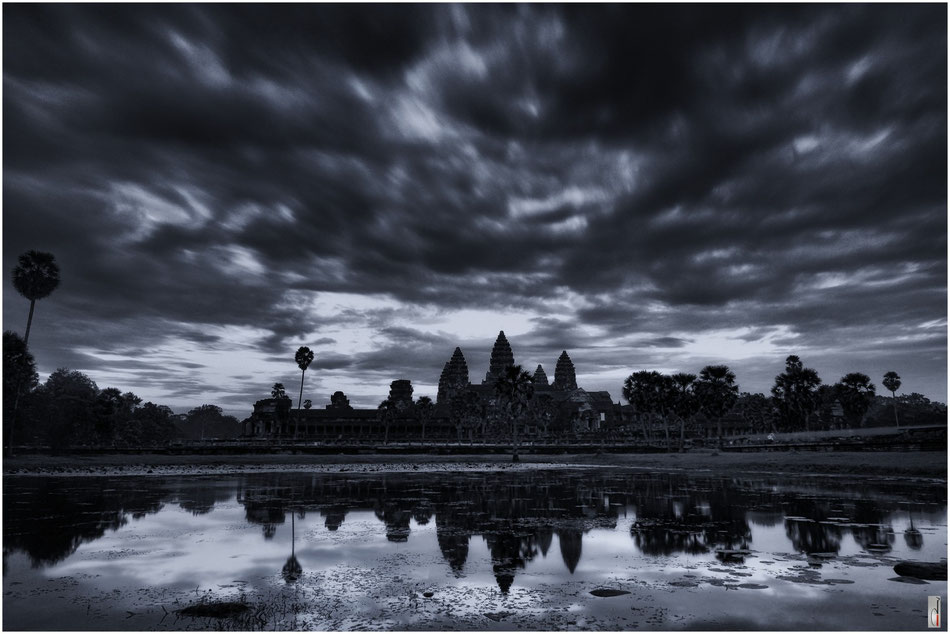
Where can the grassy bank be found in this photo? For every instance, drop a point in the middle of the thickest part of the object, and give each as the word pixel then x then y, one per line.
pixel 907 464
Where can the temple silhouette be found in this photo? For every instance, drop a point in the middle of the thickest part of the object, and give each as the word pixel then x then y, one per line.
pixel 463 410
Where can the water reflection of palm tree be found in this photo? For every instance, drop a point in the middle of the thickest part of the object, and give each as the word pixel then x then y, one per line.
pixel 913 536
pixel 292 568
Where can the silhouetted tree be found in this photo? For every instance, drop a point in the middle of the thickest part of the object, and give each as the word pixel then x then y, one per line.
pixel 35 276
pixel 70 401
pixel 385 413
pixel 717 392
pixel 638 389
pixel 304 358
pixel 543 412
pixel 795 393
pixel 307 404
pixel 855 392
pixel 757 410
pixel 653 395
pixel 278 391
pixel 514 389
pixel 685 403
pixel 892 381
pixel 150 423
pixel 114 410
pixel 467 411
pixel 209 419
pixel 424 408
pixel 19 378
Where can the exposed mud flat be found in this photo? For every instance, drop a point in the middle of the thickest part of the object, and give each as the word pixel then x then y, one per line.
pixel 924 465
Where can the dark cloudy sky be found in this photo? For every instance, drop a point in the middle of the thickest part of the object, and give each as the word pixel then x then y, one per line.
pixel 648 187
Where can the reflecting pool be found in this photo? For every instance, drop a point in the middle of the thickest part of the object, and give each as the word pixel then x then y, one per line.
pixel 562 549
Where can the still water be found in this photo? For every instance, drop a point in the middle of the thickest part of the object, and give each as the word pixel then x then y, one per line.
pixel 475 550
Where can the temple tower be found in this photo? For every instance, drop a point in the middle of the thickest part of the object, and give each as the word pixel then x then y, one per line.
pixel 400 393
pixel 501 358
pixel 564 377
pixel 454 377
pixel 540 378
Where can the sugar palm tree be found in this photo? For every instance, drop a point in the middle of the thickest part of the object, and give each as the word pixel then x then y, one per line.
pixel 424 410
pixel 795 393
pixel 640 391
pixel 684 404
pixel 514 388
pixel 385 413
pixel 855 391
pixel 717 392
pixel 892 381
pixel 35 276
pixel 304 358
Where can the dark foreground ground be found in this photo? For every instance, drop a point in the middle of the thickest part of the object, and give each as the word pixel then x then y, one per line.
pixel 927 464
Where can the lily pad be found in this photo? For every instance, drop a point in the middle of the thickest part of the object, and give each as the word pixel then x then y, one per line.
pixel 608 592
pixel 498 616
pixel 217 610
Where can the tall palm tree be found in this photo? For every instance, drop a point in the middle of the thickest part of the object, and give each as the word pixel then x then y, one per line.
pixel 685 404
pixel 424 410
pixel 35 276
pixel 640 390
pixel 514 388
pixel 304 358
pixel 892 381
pixel 385 413
pixel 855 391
pixel 795 393
pixel 717 392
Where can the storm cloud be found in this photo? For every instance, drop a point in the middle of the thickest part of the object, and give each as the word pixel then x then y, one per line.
pixel 646 186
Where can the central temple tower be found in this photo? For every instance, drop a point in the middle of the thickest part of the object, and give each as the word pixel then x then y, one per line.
pixel 564 377
pixel 501 358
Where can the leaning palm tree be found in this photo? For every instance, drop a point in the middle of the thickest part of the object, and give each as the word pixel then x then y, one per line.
pixel 35 276
pixel 514 388
pixel 304 358
pixel 892 381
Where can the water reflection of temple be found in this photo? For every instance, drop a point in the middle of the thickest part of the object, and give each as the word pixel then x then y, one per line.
pixel 517 514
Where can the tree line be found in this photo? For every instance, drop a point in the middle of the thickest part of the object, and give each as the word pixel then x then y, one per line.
pixel 69 409
pixel 798 401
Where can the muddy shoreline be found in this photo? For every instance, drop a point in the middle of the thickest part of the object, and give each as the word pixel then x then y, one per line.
pixel 931 465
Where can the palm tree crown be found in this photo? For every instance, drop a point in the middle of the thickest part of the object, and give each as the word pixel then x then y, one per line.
pixel 304 357
pixel 36 275
pixel 892 381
